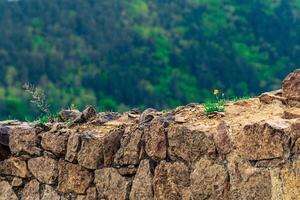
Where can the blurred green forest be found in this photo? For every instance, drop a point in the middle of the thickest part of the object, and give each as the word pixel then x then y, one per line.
pixel 120 54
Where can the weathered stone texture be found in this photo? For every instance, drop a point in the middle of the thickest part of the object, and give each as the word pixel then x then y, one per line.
pixel 189 143
pixel 55 142
pixel 31 191
pixel 14 166
pixel 142 186
pixel 171 181
pixel 6 192
pixel 44 169
pixel 111 185
pixel 73 178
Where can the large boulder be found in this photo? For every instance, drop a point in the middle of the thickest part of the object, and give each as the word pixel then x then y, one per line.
pixel 189 143
pixel 171 181
pixel 73 178
pixel 44 169
pixel 209 181
pixel 22 138
pixel 111 185
pixel 263 140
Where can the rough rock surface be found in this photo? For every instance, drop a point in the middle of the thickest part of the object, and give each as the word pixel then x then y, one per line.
pixel 249 152
pixel 31 191
pixel 6 191
pixel 44 169
pixel 111 185
pixel 73 178
pixel 143 178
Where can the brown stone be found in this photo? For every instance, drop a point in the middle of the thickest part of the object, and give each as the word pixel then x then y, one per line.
pixel 263 140
pixel 155 140
pixel 23 139
pixel 91 194
pixel 171 181
pixel 291 86
pixel 289 176
pixel 142 186
pixel 69 115
pixel 31 191
pixel 129 152
pixel 291 113
pixel 55 142
pixel 72 147
pixel 73 178
pixel 127 171
pixel 50 194
pixel 6 191
pixel 189 143
pixel 17 182
pixel 247 182
pixel 111 144
pixel 222 139
pixel 209 181
pixel 14 167
pixel 91 151
pixel 270 97
pixel 44 169
pixel 111 185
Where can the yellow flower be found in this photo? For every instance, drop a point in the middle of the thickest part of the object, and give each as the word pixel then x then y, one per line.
pixel 216 91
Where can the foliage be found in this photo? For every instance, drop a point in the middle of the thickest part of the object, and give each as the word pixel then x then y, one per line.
pixel 121 54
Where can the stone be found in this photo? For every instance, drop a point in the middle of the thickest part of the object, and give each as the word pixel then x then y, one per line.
pixel 6 191
pixel 50 194
pixel 209 181
pixel 171 181
pixel 90 154
pixel 72 147
pixel 129 152
pixel 44 169
pixel 127 171
pixel 142 186
pixel 155 140
pixel 111 144
pixel 55 142
pixel 270 97
pixel 263 140
pixel 73 178
pixel 23 139
pixel 31 191
pixel 222 139
pixel 291 86
pixel 17 182
pixel 89 112
pixel 247 182
pixel 291 113
pixel 289 176
pixel 14 167
pixel 111 185
pixel 189 143
pixel 91 194
pixel 69 115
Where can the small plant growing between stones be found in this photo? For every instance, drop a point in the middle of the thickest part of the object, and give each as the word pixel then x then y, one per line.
pixel 38 98
pixel 215 106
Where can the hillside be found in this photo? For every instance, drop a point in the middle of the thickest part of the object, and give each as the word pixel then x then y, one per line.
pixel 121 54
pixel 251 151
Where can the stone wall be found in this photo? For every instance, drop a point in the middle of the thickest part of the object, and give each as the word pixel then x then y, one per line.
pixel 249 152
